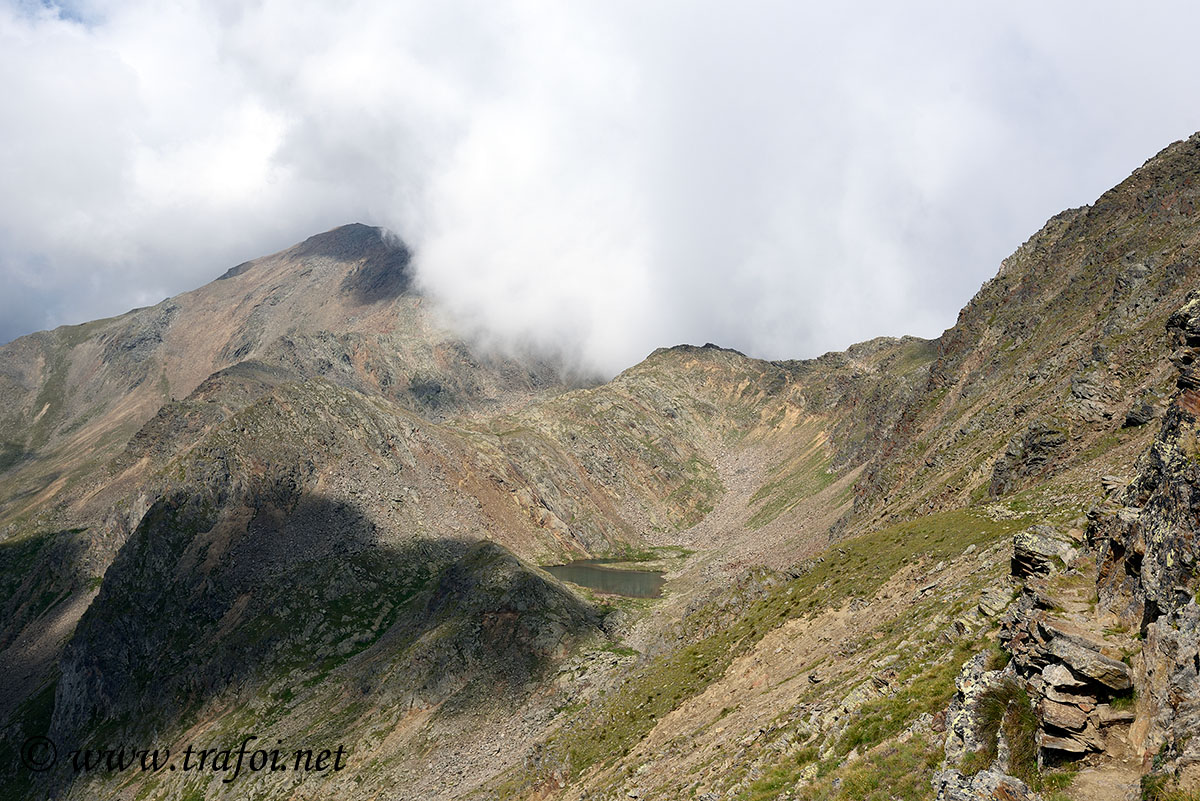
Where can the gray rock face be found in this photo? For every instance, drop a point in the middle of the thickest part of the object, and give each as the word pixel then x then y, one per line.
pixel 962 738
pixel 1084 657
pixel 1067 671
pixel 1170 683
pixel 1149 560
pixel 1050 648
pixel 1149 550
pixel 1091 396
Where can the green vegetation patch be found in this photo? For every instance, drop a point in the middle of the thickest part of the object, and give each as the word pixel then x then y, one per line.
pixel 1160 787
pixel 923 688
pixel 858 566
pixel 1006 708
pixel 1125 700
pixel 900 772
pixel 10 454
pixel 1108 441
pixel 17 561
pixel 782 777
pixel 697 494
pixel 618 722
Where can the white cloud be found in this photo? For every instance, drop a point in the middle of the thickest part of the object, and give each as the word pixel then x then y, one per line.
pixel 600 177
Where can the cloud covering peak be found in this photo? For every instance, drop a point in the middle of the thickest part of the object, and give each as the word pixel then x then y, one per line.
pixel 601 178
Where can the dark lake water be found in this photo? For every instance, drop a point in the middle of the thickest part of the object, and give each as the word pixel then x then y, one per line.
pixel 593 574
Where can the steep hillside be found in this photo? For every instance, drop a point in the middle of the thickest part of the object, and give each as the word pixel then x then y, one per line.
pixel 1057 357
pixel 832 678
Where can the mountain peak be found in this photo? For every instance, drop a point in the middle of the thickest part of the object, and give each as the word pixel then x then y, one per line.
pixel 380 260
pixel 349 242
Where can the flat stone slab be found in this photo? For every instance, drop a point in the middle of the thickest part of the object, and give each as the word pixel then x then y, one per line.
pixel 1083 656
pixel 1094 665
pixel 1059 676
pixel 1109 716
pixel 1064 716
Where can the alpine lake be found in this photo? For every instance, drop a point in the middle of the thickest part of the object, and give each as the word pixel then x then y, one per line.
pixel 596 574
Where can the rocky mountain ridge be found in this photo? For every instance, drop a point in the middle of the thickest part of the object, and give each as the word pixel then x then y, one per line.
pixel 290 502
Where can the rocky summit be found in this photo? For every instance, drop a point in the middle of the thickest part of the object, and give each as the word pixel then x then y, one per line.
pixel 284 536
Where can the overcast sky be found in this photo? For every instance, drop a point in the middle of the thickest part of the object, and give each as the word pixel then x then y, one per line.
pixel 607 177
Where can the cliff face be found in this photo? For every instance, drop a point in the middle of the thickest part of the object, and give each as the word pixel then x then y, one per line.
pixel 1149 550
pixel 1148 539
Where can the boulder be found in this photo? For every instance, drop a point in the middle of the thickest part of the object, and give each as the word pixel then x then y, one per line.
pixel 1041 550
pixel 962 730
pixel 1113 484
pixel 1085 702
pixel 1068 745
pixel 1028 454
pixel 1143 411
pixel 994 601
pixel 1091 396
pixel 1083 655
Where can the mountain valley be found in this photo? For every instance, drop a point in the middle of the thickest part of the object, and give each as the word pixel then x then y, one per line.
pixel 293 504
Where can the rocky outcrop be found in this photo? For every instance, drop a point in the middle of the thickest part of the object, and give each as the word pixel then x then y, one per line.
pixel 962 729
pixel 1149 564
pixel 1091 396
pixel 1148 546
pixel 1093 692
pixel 1143 410
pixel 988 709
pixel 1073 676
pixel 1063 693
pixel 1028 454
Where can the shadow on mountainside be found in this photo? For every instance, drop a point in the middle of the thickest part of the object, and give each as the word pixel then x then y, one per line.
pixel 215 603
pixel 43 579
